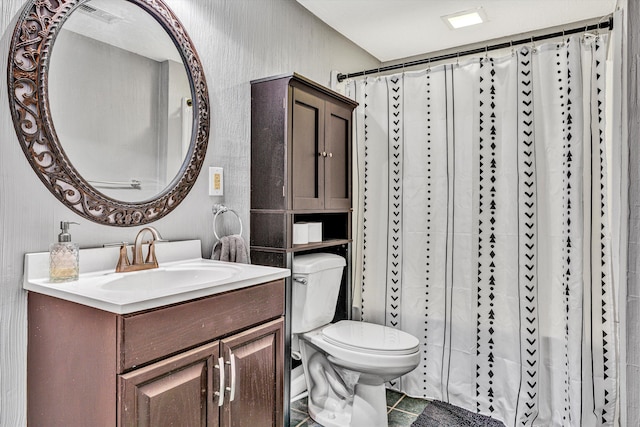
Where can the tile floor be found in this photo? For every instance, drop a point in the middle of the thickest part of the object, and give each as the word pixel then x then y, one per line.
pixel 401 411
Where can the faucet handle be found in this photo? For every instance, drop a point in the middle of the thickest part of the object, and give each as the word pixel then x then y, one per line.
pixel 123 261
pixel 151 255
pixel 108 245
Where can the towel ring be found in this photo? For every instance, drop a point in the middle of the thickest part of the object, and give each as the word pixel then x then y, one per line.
pixel 222 209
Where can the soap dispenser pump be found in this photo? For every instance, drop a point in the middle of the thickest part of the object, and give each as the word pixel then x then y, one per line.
pixel 64 256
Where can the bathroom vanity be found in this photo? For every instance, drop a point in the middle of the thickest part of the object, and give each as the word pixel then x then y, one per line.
pixel 203 354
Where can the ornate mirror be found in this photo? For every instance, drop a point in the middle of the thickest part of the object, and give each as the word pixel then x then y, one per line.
pixel 110 105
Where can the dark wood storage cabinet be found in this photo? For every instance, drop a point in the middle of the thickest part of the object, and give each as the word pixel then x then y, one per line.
pixel 161 367
pixel 301 157
pixel 320 152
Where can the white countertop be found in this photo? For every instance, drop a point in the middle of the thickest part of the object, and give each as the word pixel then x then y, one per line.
pixel 182 275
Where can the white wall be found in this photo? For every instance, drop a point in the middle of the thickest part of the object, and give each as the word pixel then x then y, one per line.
pixel 238 41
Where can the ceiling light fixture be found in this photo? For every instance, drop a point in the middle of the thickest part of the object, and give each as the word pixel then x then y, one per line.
pixel 465 18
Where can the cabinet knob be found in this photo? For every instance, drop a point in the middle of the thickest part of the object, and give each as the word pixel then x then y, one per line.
pixel 322 154
pixel 330 154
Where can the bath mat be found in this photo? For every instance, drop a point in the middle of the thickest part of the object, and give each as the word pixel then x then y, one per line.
pixel 441 414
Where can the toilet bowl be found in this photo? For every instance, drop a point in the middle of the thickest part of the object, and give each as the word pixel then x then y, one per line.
pixel 346 364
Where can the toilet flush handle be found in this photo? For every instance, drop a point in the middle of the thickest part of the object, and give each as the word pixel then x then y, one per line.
pixel 301 280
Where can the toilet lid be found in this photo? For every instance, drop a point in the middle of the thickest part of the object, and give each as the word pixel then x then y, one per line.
pixel 370 338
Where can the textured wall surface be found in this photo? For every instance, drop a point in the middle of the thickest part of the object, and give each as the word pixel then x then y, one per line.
pixel 238 41
pixel 633 279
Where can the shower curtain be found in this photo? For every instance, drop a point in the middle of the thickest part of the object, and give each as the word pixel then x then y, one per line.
pixel 484 230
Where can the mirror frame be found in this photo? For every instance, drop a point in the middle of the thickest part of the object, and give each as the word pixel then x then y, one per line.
pixel 38 25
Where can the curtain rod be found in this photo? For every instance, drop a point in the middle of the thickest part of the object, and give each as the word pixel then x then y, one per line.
pixel 608 24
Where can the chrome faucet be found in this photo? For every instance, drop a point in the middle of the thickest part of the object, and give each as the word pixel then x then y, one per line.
pixel 138 262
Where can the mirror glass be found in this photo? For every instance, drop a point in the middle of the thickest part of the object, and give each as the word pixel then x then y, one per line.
pixel 120 99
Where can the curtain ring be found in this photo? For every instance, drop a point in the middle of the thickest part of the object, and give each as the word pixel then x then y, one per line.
pixel 428 65
pixel 586 33
pixel 458 59
pixel 600 21
pixel 513 52
pixel 533 45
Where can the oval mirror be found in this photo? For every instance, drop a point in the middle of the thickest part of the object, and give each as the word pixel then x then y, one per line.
pixel 110 105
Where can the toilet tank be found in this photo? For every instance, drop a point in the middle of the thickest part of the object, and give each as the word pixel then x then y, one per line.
pixel 316 285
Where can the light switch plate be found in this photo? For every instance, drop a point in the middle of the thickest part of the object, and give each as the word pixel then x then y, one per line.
pixel 216 184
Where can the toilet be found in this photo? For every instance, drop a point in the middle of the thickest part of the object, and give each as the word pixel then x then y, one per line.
pixel 347 363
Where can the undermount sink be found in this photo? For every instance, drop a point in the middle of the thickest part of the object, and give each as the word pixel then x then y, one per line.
pixel 179 276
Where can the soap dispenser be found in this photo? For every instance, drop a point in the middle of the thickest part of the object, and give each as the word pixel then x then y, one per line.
pixel 64 256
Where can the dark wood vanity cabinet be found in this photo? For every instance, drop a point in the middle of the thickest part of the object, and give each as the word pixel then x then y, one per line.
pixel 301 156
pixel 161 367
pixel 184 390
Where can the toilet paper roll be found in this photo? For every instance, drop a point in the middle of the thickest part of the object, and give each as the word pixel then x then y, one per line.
pixel 315 231
pixel 300 233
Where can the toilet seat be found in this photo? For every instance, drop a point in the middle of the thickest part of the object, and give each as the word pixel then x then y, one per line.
pixel 370 338
pixel 372 365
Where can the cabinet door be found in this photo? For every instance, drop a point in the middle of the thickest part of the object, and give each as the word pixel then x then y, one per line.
pixel 307 172
pixel 338 160
pixel 255 377
pixel 173 392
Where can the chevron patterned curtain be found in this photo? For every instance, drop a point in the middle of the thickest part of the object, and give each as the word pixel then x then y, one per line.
pixel 484 230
